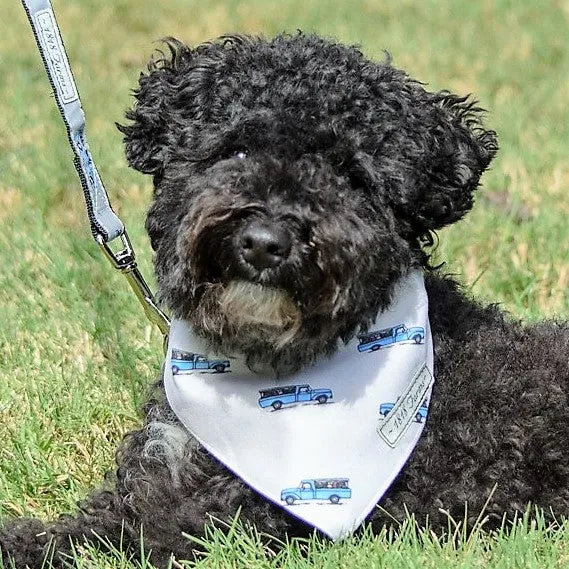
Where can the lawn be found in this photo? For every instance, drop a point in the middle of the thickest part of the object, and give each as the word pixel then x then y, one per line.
pixel 76 352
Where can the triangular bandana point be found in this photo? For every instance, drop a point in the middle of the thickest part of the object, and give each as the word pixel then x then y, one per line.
pixel 326 443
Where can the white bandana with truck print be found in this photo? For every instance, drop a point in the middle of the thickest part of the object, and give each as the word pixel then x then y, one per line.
pixel 326 443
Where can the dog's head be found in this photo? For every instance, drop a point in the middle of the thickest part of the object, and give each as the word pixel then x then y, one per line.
pixel 295 183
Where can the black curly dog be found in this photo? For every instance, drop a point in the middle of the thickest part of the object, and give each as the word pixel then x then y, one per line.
pixel 310 177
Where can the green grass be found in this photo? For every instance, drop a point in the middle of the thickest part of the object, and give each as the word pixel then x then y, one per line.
pixel 527 545
pixel 75 350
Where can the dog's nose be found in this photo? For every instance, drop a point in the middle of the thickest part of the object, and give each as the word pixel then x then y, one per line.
pixel 264 245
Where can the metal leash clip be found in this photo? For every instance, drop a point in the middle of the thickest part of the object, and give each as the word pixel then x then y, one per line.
pixel 125 261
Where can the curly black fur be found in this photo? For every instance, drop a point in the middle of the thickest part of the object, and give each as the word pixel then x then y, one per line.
pixel 356 164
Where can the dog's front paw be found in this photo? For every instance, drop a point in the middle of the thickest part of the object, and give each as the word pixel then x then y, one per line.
pixel 24 542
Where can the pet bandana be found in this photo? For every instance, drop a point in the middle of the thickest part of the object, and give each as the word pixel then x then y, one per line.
pixel 326 443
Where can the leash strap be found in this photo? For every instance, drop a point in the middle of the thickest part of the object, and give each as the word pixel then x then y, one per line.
pixel 105 224
pixel 103 220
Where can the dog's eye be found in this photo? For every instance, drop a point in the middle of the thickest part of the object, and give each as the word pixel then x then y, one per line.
pixel 240 154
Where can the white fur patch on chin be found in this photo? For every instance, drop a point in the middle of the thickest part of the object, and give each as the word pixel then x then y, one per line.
pixel 246 303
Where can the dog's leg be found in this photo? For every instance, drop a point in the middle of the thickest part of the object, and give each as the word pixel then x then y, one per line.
pixel 29 542
pixel 137 502
pixel 165 486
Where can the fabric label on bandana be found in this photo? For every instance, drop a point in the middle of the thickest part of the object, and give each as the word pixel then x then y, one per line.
pixel 327 442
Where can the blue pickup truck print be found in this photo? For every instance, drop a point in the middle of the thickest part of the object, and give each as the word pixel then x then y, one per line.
pixel 372 341
pixel 183 361
pixel 420 416
pixel 276 397
pixel 323 489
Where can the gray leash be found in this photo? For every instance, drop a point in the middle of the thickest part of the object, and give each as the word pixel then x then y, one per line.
pixel 105 225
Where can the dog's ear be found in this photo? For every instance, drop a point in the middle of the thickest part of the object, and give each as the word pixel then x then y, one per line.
pixel 457 151
pixel 150 135
pixel 431 158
